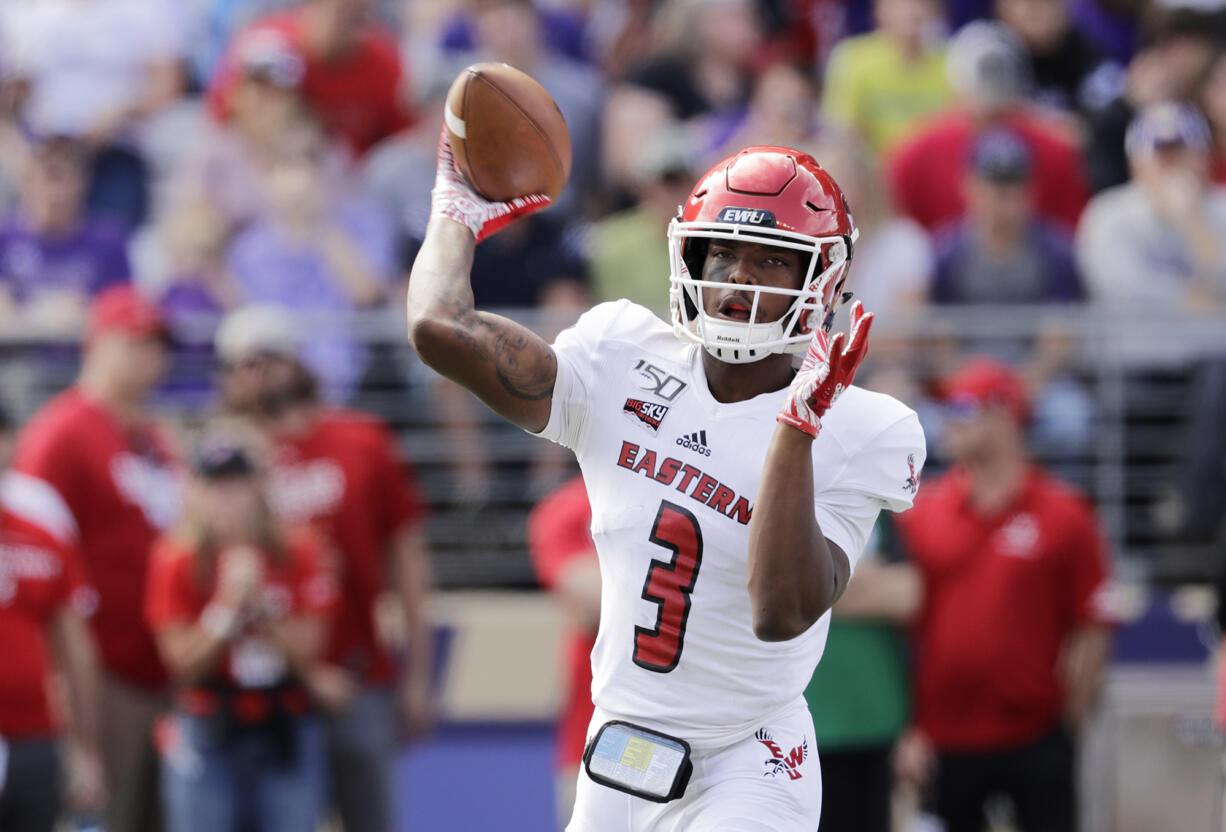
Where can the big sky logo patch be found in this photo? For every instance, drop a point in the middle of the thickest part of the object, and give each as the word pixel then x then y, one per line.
pixel 648 414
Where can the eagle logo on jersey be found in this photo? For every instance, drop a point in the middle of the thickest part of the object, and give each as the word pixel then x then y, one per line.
pixel 777 763
pixel 648 414
pixel 913 481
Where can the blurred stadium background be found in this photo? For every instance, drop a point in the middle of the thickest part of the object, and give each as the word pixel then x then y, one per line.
pixel 211 159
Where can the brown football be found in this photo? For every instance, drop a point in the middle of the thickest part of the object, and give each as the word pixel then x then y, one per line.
pixel 507 135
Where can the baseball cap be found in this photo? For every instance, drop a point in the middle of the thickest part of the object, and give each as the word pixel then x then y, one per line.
pixel 124 310
pixel 258 329
pixel 1000 156
pixel 266 55
pixel 986 62
pixel 219 457
pixel 1164 125
pixel 986 382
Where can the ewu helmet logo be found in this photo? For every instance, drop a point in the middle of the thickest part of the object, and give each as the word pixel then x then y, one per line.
pixel 747 216
pixel 779 764
pixel 648 414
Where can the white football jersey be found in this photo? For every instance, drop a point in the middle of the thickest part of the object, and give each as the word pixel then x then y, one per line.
pixel 672 475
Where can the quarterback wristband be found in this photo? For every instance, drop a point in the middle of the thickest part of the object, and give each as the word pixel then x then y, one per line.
pixel 639 761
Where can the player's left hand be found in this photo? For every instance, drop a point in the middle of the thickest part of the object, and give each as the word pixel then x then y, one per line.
pixel 828 369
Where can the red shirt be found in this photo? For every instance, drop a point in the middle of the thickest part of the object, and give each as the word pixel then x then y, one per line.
pixel 359 97
pixel 926 172
pixel 1002 593
pixel 343 476
pixel 39 575
pixel 1217 168
pixel 295 583
pixel 559 532
pixel 116 489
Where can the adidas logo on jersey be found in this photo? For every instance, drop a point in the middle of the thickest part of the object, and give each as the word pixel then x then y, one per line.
pixel 696 441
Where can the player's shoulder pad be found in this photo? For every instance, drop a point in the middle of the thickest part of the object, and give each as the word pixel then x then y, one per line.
pixel 883 444
pixel 861 417
pixel 621 320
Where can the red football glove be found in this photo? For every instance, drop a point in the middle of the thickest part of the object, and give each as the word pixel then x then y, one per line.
pixel 455 199
pixel 828 370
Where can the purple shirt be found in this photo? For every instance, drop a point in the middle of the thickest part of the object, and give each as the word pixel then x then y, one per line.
pixel 86 261
pixel 273 269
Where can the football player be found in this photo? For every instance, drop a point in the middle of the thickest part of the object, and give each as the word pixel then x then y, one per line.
pixel 732 492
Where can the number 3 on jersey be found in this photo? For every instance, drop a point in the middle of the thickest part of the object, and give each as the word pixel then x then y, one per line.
pixel 669 584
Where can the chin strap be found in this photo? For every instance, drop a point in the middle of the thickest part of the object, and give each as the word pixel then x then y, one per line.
pixel 829 322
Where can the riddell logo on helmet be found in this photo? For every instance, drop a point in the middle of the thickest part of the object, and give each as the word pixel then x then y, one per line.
pixel 747 216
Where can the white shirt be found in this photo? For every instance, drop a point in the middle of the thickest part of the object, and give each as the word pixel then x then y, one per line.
pixel 1131 257
pixel 85 58
pixel 672 476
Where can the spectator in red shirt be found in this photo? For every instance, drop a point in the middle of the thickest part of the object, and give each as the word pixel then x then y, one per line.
pixel 340 472
pixel 1013 637
pixel 44 604
pixel 564 556
pixel 353 76
pixel 239 607
pixel 103 475
pixel 988 73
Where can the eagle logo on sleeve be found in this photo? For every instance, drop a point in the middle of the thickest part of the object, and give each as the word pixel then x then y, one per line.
pixel 913 481
pixel 777 763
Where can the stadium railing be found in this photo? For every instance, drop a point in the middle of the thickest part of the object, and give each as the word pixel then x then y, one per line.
pixel 1136 372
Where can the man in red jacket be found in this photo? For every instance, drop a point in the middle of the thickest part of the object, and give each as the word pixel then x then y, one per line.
pixel 988 71
pixel 353 78
pixel 1013 637
pixel 100 473
pixel 340 472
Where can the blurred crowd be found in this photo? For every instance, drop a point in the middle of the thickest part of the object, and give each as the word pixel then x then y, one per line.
pixel 1010 154
pixel 221 152
pixel 169 164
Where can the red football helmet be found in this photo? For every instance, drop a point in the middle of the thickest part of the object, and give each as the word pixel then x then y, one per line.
pixel 779 197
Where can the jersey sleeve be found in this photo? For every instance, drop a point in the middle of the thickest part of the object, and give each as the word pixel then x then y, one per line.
pixel 559 531
pixel 578 352
pixel 884 474
pixel 46 475
pixel 168 591
pixel 1087 566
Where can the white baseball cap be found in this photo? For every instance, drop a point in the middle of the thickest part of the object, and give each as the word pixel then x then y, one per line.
pixel 258 329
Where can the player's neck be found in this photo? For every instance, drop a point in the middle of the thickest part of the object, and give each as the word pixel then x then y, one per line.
pixel 740 382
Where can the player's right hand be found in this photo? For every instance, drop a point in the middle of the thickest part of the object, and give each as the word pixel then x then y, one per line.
pixel 455 199
pixel 828 369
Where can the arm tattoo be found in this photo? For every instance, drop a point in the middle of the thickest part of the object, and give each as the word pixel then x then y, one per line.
pixel 520 366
